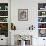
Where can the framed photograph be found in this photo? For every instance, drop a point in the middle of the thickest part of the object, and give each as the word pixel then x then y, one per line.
pixel 22 14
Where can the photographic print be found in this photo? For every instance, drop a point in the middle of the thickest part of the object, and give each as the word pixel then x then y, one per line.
pixel 22 14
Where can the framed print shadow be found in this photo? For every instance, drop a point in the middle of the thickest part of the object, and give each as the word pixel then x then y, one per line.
pixel 22 14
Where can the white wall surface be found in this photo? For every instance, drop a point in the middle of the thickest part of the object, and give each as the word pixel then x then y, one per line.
pixel 24 4
pixel 32 6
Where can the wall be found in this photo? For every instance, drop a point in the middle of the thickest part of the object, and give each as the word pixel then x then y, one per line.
pixel 32 6
pixel 24 4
